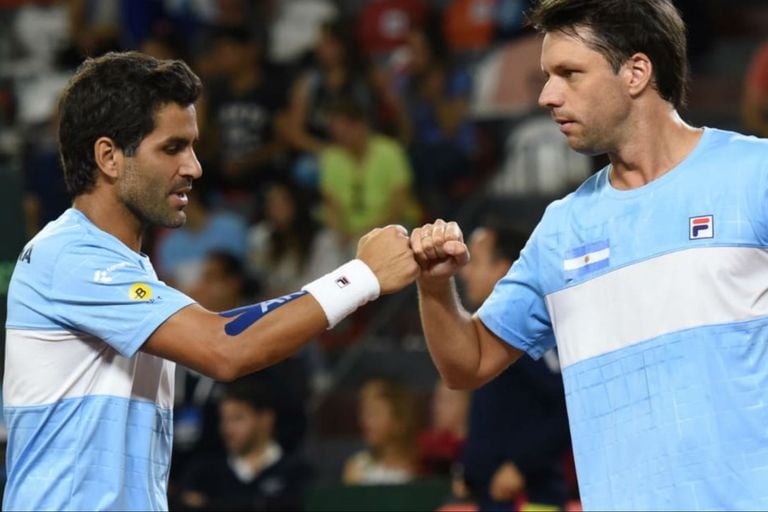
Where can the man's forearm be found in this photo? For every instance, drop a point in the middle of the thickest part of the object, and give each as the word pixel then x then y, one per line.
pixel 270 338
pixel 450 334
pixel 231 344
pixel 283 328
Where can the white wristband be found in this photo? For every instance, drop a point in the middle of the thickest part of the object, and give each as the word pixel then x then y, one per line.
pixel 344 290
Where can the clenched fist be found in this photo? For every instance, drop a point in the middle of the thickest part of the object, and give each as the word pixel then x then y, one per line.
pixel 439 249
pixel 387 251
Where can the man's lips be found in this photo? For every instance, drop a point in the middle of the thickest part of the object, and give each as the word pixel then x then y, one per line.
pixel 181 194
pixel 564 123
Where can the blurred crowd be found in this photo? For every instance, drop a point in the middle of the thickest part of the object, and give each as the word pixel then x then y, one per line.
pixel 320 121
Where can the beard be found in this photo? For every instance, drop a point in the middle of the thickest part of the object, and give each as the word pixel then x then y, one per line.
pixel 148 199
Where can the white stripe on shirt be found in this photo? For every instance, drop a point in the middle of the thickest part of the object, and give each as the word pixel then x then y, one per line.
pixel 73 364
pixel 695 287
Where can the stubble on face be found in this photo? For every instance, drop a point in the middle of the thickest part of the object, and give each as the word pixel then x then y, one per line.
pixel 156 179
pixel 147 197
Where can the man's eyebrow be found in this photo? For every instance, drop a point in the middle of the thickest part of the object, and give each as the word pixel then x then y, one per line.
pixel 567 65
pixel 177 139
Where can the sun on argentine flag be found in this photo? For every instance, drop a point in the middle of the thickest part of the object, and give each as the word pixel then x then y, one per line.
pixel 586 259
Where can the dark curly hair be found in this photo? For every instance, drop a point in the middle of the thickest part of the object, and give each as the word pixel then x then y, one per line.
pixel 116 95
pixel 621 28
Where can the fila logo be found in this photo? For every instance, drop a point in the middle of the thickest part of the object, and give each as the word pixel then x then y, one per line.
pixel 701 227
pixel 342 282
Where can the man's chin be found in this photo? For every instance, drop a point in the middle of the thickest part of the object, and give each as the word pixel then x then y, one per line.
pixel 586 149
pixel 177 220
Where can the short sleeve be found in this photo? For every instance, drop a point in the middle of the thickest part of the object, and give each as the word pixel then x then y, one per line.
pixel 111 295
pixel 516 310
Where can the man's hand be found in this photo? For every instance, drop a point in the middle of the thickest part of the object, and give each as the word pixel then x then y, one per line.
pixel 388 253
pixel 507 483
pixel 440 250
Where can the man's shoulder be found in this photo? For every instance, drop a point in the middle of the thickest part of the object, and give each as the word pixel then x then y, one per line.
pixel 731 158
pixel 584 196
pixel 45 249
pixel 736 144
pixel 71 236
pixel 70 250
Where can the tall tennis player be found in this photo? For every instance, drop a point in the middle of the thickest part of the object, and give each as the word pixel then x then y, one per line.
pixel 652 277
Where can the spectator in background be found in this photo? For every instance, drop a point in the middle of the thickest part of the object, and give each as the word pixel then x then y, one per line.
pixel 253 473
pixel 164 42
pixel 431 98
pixel 518 427
pixel 336 75
pixel 223 285
pixel 294 26
pixel 383 25
pixel 242 101
pixel 469 25
pixel 365 178
pixel 386 410
pixel 181 252
pixel 440 446
pixel 287 248
pixel 755 101
pixel 45 193
pixel 99 27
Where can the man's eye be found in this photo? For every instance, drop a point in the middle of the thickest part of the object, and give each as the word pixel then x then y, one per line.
pixel 172 150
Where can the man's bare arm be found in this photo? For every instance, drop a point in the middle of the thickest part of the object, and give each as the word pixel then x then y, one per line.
pixel 467 354
pixel 227 347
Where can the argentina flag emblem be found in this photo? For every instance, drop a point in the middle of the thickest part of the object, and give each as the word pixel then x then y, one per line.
pixel 586 259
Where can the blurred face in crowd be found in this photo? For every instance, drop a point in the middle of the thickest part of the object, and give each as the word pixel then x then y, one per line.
pixel 158 49
pixel 215 290
pixel 449 408
pixel 485 268
pixel 156 180
pixel 280 207
pixel 231 55
pixel 348 132
pixel 227 54
pixel 243 428
pixel 586 98
pixel 419 52
pixel 377 419
pixel 329 50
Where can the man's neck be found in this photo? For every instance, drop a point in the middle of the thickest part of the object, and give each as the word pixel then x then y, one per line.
pixel 656 145
pixel 113 218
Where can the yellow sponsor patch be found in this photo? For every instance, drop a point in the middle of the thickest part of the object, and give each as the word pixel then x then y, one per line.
pixel 140 291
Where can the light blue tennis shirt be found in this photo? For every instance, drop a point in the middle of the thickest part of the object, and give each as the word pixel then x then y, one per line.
pixel 657 298
pixel 89 416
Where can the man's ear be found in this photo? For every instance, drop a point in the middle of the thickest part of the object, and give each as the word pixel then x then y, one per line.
pixel 639 73
pixel 109 158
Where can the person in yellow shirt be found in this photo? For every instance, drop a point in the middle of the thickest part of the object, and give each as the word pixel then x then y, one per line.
pixel 365 177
